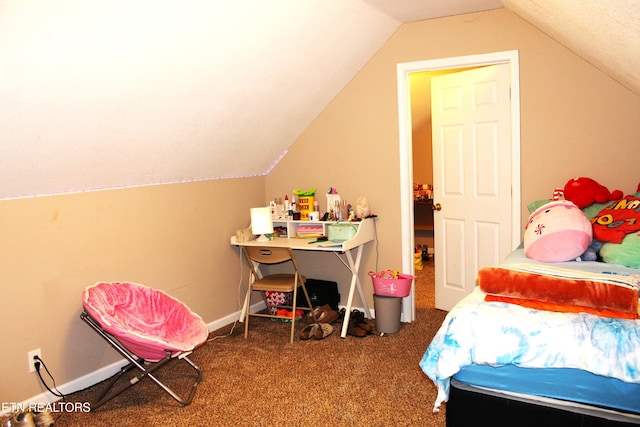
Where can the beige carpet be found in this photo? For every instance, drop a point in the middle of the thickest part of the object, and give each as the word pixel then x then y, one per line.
pixel 265 381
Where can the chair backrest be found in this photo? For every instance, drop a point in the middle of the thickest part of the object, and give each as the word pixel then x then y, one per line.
pixel 146 321
pixel 269 255
pixel 266 255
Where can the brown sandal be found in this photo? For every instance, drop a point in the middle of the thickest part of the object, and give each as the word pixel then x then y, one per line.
pixel 323 314
pixel 323 331
pixel 318 313
pixel 328 316
pixel 309 331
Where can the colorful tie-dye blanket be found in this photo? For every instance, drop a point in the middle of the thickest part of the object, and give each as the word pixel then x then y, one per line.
pixel 498 333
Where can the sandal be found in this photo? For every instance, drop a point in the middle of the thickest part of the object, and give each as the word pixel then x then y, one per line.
pixel 316 313
pixel 323 331
pixel 323 314
pixel 328 316
pixel 309 331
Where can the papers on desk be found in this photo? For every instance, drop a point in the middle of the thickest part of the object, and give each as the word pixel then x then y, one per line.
pixel 330 245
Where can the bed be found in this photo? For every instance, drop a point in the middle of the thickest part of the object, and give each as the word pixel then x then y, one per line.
pixel 541 344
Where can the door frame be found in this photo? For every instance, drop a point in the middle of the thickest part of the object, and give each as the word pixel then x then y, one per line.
pixel 406 144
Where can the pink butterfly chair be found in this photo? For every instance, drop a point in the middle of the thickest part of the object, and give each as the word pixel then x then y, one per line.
pixel 148 327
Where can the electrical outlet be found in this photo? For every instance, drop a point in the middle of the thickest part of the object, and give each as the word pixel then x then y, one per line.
pixel 31 356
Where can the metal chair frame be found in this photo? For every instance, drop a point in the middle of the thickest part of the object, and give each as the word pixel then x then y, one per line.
pixel 282 282
pixel 146 368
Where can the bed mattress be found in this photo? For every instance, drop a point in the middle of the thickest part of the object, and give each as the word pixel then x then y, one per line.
pixel 566 384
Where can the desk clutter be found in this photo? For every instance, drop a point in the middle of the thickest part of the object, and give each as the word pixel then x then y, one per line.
pixel 299 216
pixel 345 239
pixel 304 206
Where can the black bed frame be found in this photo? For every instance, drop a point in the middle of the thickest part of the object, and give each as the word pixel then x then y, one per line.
pixel 472 406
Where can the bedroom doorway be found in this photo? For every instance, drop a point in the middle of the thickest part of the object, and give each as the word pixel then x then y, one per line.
pixel 406 160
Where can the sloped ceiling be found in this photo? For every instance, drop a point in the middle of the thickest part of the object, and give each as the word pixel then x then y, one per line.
pixel 115 93
pixel 605 33
pixel 418 10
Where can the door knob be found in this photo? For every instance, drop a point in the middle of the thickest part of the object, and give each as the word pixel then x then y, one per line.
pixel 436 207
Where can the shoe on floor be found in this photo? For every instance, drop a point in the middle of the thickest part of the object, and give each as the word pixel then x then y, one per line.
pixel 309 331
pixel 355 331
pixel 357 317
pixel 365 326
pixel 323 314
pixel 317 312
pixel 323 331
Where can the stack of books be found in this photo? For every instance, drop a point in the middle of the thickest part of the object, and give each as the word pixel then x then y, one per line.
pixel 309 230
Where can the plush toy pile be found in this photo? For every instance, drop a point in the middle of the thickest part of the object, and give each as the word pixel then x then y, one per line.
pixel 585 192
pixel 591 222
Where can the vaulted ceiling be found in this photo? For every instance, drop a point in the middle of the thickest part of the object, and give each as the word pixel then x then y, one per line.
pixel 114 93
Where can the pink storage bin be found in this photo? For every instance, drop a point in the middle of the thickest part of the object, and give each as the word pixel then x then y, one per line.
pixel 400 287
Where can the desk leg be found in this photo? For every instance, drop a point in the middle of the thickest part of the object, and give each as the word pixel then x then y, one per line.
pixel 354 266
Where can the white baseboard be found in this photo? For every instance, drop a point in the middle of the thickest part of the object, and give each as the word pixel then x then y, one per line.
pixel 108 371
pixel 72 386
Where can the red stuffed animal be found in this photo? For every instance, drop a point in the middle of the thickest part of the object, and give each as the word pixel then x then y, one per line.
pixel 584 192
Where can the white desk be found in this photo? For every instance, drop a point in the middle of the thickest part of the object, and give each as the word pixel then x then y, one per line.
pixel 366 233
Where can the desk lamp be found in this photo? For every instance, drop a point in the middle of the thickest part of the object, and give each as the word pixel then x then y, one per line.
pixel 261 223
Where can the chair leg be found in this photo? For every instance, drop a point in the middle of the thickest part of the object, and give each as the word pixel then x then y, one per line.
pixel 295 302
pixel 293 306
pixel 107 394
pixel 309 304
pixel 102 399
pixel 192 391
pixel 246 315
pixel 146 369
pixel 293 313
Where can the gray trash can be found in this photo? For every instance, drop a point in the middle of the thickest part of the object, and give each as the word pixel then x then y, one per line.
pixel 388 313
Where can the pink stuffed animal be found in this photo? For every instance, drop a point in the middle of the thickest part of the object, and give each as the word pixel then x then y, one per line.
pixel 585 192
pixel 557 231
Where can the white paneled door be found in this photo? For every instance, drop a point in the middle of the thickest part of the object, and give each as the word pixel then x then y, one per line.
pixel 472 177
